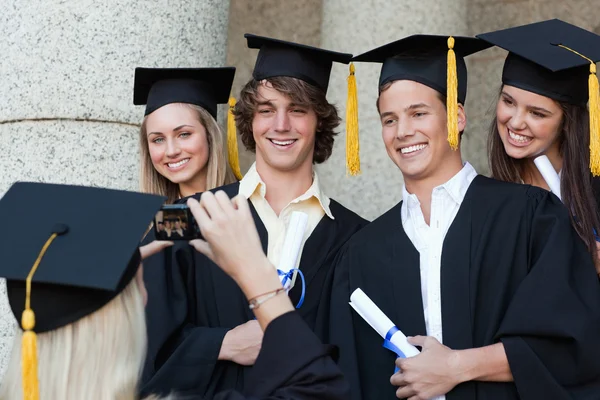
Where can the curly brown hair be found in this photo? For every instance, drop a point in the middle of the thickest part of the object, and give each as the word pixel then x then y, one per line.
pixel 302 94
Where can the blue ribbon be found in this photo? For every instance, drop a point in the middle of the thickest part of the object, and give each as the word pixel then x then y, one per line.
pixel 288 276
pixel 391 346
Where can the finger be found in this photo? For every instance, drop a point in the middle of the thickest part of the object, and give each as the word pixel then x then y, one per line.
pixel 398 379
pixel 417 340
pixel 209 202
pixel 224 202
pixel 199 214
pixel 202 247
pixel 154 247
pixel 241 204
pixel 405 392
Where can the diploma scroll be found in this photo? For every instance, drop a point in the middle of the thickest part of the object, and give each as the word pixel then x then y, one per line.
pixel 368 310
pixel 291 247
pixel 549 174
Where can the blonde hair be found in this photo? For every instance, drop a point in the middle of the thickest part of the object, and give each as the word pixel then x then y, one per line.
pixel 218 171
pixel 99 357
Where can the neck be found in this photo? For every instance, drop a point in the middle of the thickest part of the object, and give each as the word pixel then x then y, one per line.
pixel 195 185
pixel 532 176
pixel 284 186
pixel 422 188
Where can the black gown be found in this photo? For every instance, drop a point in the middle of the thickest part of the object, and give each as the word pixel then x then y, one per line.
pixel 512 270
pixel 205 303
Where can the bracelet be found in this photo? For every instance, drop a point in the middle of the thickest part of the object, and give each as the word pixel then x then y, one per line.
pixel 254 303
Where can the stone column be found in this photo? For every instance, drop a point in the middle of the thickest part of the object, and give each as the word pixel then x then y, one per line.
pixel 66 87
pixel 355 26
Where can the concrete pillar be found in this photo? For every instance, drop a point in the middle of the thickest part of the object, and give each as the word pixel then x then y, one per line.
pixel 355 26
pixel 66 87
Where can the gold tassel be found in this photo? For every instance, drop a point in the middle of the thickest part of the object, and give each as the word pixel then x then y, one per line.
pixel 594 103
pixel 594 110
pixel 232 147
pixel 352 142
pixel 29 364
pixel 452 96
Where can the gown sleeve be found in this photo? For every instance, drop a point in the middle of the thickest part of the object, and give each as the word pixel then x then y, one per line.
pixel 293 364
pixel 187 358
pixel 551 329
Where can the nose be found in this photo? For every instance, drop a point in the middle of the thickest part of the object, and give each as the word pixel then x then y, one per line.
pixel 517 121
pixel 403 129
pixel 282 122
pixel 173 149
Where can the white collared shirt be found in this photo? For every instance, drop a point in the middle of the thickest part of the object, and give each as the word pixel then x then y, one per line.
pixel 313 202
pixel 429 240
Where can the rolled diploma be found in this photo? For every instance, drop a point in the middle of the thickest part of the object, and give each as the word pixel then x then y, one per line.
pixel 369 311
pixel 291 246
pixel 549 174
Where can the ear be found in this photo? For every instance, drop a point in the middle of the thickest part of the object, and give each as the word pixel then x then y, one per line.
pixel 462 118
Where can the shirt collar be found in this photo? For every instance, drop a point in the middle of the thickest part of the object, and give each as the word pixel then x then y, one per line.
pixel 456 188
pixel 252 183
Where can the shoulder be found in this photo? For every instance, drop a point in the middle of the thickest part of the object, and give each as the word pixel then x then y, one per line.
pixel 381 227
pixel 345 215
pixel 231 189
pixel 495 191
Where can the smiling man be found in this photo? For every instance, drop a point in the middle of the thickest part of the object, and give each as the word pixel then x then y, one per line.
pixel 284 117
pixel 487 277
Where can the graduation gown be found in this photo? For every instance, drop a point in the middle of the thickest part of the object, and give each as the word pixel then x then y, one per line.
pixel 306 370
pixel 513 270
pixel 187 361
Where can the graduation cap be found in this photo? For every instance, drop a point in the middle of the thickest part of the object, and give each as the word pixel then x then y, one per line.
pixel 432 60
pixel 204 87
pixel 312 65
pixel 557 60
pixel 67 260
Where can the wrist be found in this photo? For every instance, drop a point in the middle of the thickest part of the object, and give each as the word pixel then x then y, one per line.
pixel 226 351
pixel 465 366
pixel 259 277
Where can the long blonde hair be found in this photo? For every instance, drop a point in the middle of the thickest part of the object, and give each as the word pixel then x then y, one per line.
pixel 99 357
pixel 218 171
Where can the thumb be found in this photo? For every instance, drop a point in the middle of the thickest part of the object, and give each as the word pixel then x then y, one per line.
pixel 417 340
pixel 203 247
pixel 154 247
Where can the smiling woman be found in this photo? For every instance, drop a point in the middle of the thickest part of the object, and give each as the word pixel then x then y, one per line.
pixel 542 111
pixel 181 144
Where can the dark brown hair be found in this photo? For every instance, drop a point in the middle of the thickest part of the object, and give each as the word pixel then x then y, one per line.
pixel 576 179
pixel 302 94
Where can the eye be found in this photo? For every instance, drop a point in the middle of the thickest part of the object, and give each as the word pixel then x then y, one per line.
pixel 419 114
pixel 158 140
pixel 507 101
pixel 389 122
pixel 538 114
pixel 184 134
pixel 264 111
pixel 299 111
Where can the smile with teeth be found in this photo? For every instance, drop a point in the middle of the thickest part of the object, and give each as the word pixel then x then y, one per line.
pixel 179 163
pixel 412 149
pixel 282 142
pixel 518 138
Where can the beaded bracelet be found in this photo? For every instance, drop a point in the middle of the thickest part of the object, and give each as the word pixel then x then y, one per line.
pixel 254 303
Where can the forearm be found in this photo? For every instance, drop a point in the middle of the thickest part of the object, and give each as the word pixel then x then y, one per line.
pixel 259 279
pixel 488 364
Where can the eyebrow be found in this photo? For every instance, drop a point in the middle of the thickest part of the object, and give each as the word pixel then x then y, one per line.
pixel 530 108
pixel 415 106
pixel 174 129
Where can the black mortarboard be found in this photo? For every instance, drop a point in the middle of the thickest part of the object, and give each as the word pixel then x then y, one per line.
pixel 423 59
pixel 87 264
pixel 538 64
pixel 557 60
pixel 433 61
pixel 281 58
pixel 204 87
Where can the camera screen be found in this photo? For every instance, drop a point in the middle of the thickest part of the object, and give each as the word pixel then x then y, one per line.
pixel 174 224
